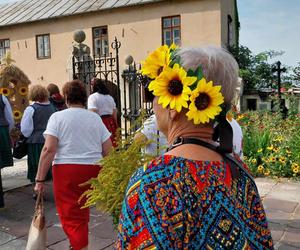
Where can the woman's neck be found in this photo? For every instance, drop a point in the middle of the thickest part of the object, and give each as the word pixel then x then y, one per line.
pixel 75 106
pixel 204 133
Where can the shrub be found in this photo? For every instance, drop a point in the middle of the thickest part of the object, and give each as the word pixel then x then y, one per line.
pixel 271 144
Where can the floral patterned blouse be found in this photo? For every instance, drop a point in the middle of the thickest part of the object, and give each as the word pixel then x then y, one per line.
pixel 177 203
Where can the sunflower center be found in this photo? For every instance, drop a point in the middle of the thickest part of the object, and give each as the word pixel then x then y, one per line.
pixel 202 101
pixel 175 87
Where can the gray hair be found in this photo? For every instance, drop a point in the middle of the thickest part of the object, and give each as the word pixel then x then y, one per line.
pixel 217 66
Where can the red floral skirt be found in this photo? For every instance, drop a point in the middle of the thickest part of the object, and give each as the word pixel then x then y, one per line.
pixel 66 181
pixel 112 127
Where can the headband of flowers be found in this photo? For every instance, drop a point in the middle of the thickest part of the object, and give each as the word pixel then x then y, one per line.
pixel 179 89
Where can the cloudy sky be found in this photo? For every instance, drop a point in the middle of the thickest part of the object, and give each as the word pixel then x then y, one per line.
pixel 269 24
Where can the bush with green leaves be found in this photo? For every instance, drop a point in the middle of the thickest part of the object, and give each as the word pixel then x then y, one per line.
pixel 107 191
pixel 271 144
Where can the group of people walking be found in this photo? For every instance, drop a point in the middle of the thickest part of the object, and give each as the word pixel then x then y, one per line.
pixel 64 139
pixel 194 195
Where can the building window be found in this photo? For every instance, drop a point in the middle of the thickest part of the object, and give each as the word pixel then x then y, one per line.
pixel 171 31
pixel 43 46
pixel 229 30
pixel 100 41
pixel 4 47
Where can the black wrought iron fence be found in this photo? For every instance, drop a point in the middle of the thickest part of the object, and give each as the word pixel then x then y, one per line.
pixel 134 100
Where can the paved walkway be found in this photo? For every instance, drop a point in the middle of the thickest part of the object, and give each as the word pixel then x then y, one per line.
pixel 281 200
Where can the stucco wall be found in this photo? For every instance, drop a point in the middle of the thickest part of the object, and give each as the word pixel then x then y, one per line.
pixel 227 8
pixel 138 28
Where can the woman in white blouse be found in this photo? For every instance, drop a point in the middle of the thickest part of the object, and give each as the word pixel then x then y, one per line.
pixel 76 139
pixel 102 103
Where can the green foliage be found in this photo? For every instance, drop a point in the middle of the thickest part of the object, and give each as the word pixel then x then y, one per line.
pixel 271 144
pixel 296 74
pixel 108 189
pixel 255 70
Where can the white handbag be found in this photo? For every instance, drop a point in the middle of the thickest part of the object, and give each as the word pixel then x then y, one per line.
pixel 37 236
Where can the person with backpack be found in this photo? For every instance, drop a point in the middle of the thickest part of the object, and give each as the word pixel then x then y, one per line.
pixel 6 125
pixel 196 195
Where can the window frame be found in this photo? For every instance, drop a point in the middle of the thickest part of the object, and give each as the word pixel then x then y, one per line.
pixel 171 28
pixel 93 41
pixel 229 30
pixel 37 46
pixel 5 48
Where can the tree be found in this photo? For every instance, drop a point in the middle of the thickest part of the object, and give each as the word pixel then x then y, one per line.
pixel 255 70
pixel 296 75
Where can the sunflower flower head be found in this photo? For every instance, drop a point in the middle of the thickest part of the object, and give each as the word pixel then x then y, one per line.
pixel 5 91
pixel 157 61
pixel 205 102
pixel 172 87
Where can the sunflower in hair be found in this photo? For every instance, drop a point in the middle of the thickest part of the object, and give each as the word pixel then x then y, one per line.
pixel 205 102
pixel 157 61
pixel 172 87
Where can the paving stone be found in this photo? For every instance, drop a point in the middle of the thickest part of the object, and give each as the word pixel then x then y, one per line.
pixel 99 243
pixel 264 185
pixel 94 244
pixel 17 244
pixel 279 205
pixel 286 247
pixel 55 234
pixel 277 231
pixel 297 212
pixel 276 235
pixel 278 217
pixel 104 230
pixel 286 191
pixel 295 223
pixel 60 245
pixel 291 237
pixel 5 237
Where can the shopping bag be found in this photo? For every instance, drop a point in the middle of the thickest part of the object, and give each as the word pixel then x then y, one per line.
pixel 20 148
pixel 37 233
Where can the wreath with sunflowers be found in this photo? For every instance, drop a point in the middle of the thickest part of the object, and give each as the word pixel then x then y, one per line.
pixel 177 88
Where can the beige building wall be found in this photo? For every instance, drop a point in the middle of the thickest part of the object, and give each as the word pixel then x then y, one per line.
pixel 138 29
pixel 227 8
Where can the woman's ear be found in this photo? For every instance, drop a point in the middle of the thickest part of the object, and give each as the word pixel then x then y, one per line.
pixel 173 114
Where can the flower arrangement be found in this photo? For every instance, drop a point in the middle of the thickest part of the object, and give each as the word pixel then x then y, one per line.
pixel 5 91
pixel 177 88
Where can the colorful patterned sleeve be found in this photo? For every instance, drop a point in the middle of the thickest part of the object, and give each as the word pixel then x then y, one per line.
pixel 130 230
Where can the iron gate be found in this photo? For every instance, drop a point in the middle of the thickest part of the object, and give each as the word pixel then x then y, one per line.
pixel 129 96
pixel 134 98
pixel 105 67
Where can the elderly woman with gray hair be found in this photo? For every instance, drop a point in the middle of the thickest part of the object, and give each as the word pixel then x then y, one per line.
pixel 196 195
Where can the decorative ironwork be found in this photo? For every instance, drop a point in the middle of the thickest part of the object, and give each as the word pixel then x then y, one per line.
pixel 104 67
pixel 133 97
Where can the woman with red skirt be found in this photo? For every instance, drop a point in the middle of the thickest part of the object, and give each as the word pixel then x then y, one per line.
pixel 75 140
pixel 102 103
